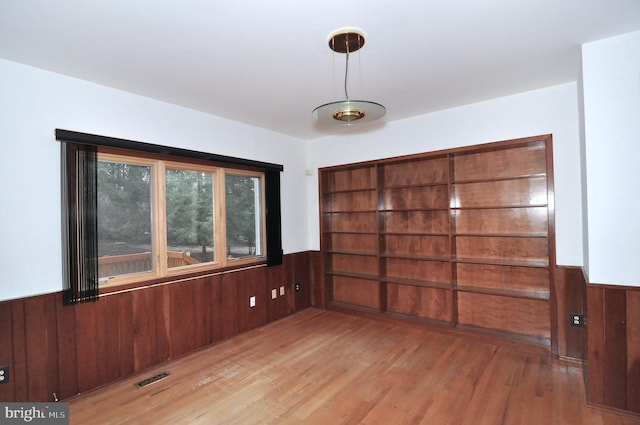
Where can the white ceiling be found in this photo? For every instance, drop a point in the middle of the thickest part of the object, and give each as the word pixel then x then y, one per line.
pixel 267 63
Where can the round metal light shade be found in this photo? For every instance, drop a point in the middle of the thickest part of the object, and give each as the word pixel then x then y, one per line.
pixel 348 111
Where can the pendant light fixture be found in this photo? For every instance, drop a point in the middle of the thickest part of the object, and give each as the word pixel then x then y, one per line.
pixel 348 111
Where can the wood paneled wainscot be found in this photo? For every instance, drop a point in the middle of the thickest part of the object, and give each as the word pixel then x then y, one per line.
pixel 461 238
pixel 66 350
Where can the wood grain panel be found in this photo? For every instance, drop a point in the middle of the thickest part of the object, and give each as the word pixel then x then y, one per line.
pixel 161 298
pixel 595 338
pixel 613 354
pixel 427 197
pixel 417 172
pixel 531 220
pixel 7 390
pixel 500 163
pixel 361 292
pixel 352 201
pixel 250 283
pixel 424 245
pixel 633 350
pixel 525 280
pixel 502 193
pixel 275 278
pixel 360 264
pixel 112 338
pixel 92 347
pixel 222 311
pixel 319 287
pixel 417 222
pixel 126 363
pixel 353 222
pixel 229 305
pixel 352 242
pixel 501 248
pixel 429 303
pixel 303 275
pixel 36 350
pixel 514 315
pixel 349 179
pixel 201 315
pixel 67 355
pixel 423 270
pixel 571 295
pixel 145 329
pixel 20 365
pixel 185 323
pixel 615 348
pixel 51 348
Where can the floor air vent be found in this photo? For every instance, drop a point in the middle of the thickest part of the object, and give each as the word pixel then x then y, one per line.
pixel 152 379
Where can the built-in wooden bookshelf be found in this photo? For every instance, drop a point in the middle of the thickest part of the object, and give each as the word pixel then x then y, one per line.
pixel 461 238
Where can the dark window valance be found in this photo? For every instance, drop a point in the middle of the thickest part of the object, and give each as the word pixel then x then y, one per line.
pixel 112 142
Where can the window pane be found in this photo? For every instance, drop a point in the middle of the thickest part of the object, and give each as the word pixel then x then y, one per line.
pixel 190 218
pixel 124 219
pixel 243 209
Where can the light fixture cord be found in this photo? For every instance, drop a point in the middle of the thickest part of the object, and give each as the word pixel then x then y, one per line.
pixel 346 72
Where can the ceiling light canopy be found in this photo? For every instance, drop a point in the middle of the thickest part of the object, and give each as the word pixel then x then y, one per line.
pixel 348 111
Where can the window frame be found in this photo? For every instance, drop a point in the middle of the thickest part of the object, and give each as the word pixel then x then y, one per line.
pixel 159 166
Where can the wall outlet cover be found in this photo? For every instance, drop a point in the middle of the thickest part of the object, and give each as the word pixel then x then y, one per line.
pixel 4 374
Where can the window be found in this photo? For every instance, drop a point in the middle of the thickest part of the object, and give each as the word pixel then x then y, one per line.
pixel 125 230
pixel 134 211
pixel 243 204
pixel 190 220
pixel 158 217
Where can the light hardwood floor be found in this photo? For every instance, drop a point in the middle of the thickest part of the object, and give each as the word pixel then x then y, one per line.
pixel 319 367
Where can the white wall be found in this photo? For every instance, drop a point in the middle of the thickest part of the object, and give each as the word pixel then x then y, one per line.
pixel 611 80
pixel 33 103
pixel 552 110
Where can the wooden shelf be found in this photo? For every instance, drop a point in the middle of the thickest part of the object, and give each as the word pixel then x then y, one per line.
pixel 351 212
pixel 348 232
pixel 361 253
pixel 415 319
pixel 337 305
pixel 414 257
pixel 413 282
pixel 413 233
pixel 502 235
pixel 415 185
pixel 520 263
pixel 346 191
pixel 403 210
pixel 354 275
pixel 499 207
pixel 497 179
pixel 507 293
pixel 509 336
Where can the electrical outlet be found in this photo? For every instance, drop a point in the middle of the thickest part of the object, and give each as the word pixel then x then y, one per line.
pixel 4 374
pixel 274 294
pixel 281 290
pixel 297 287
pixel 252 301
pixel 576 320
